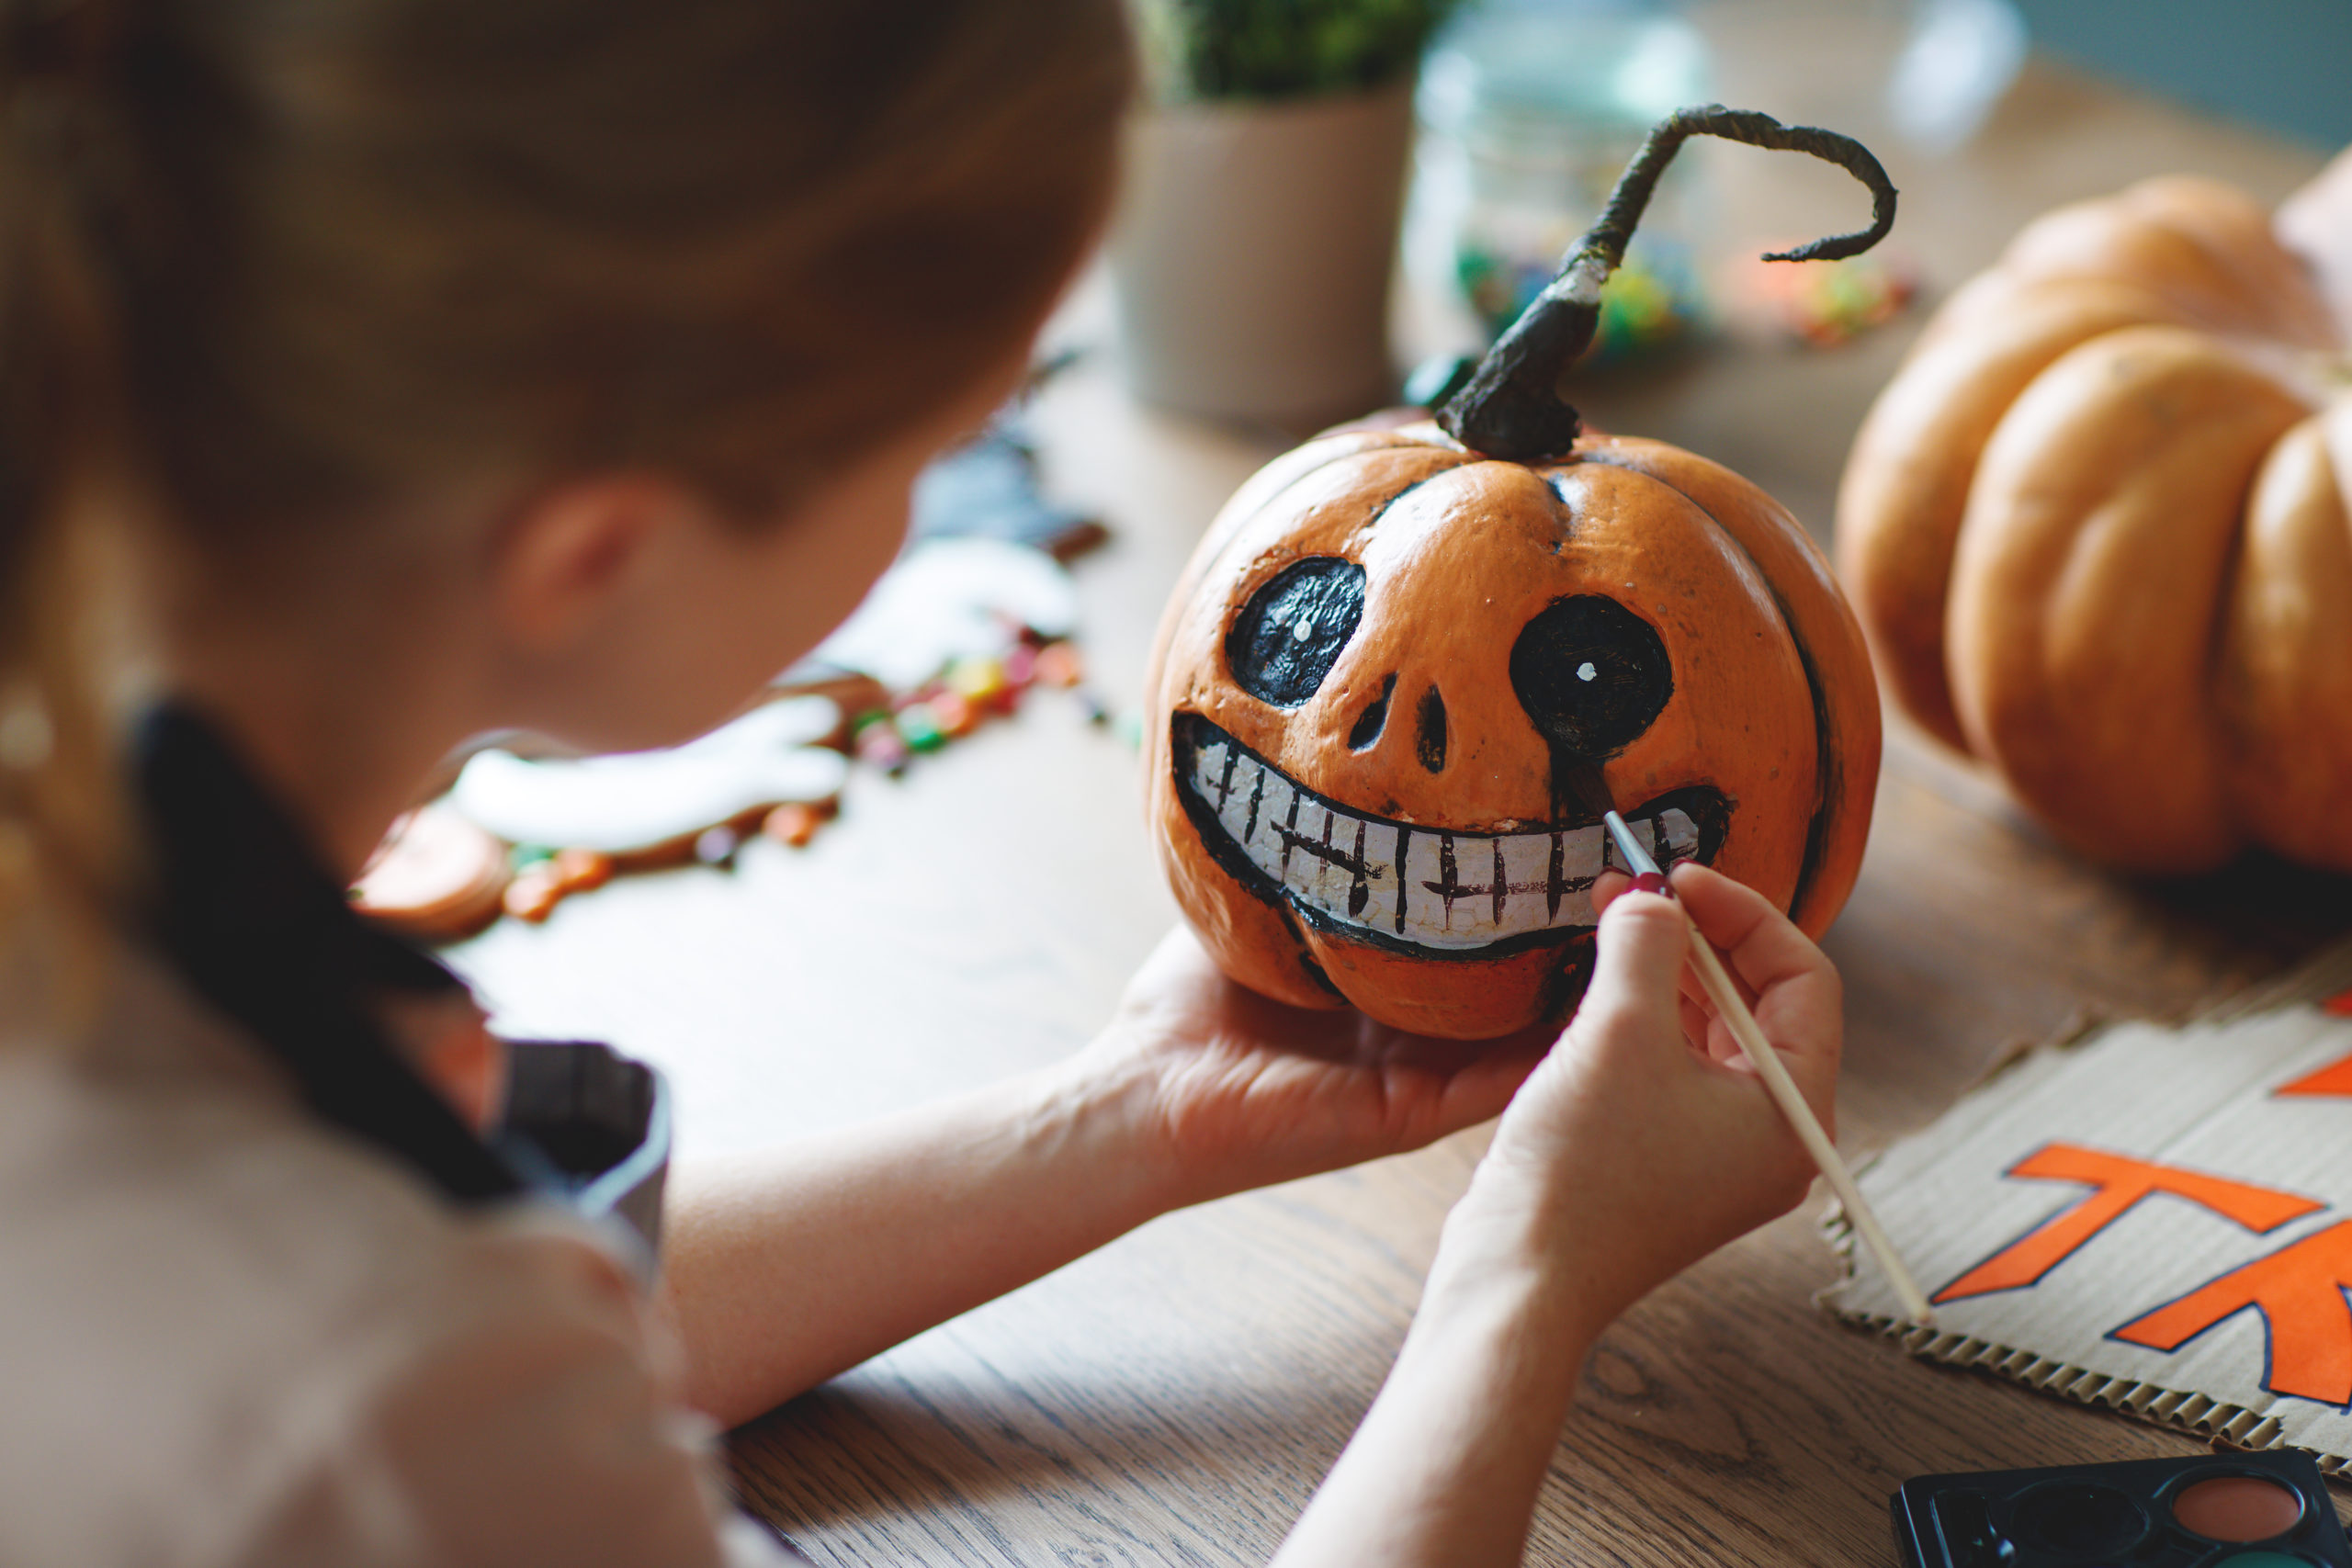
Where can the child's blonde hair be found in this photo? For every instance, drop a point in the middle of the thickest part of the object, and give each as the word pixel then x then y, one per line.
pixel 285 265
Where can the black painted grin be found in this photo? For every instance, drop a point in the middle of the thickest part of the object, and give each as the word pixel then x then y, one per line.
pixel 1408 888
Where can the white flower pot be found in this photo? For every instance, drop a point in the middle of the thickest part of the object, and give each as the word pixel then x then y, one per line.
pixel 1252 252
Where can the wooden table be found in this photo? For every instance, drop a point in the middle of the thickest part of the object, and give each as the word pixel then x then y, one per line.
pixel 1174 1398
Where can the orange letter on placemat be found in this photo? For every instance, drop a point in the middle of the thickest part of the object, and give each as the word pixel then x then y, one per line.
pixel 2121 1181
pixel 2299 1291
pixel 2334 1078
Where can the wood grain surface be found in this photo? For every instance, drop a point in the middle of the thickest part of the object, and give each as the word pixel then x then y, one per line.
pixel 1175 1398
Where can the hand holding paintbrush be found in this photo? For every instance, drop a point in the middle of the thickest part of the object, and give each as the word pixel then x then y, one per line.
pixel 1624 1158
pixel 1732 1007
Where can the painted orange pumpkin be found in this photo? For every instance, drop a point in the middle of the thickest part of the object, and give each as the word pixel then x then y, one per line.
pixel 1408 669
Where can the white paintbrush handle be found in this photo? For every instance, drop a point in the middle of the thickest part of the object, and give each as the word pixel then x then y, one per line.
pixel 1724 994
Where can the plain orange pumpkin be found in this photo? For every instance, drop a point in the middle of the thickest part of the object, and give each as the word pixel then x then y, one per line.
pixel 2096 530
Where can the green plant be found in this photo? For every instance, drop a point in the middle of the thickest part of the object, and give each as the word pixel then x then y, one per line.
pixel 1283 49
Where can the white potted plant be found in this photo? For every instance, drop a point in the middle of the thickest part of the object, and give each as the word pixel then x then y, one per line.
pixel 1266 183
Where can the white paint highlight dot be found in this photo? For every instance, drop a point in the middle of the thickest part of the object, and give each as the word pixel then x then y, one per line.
pixel 1584 672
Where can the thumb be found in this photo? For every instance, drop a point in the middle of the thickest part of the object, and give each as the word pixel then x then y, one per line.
pixel 1642 944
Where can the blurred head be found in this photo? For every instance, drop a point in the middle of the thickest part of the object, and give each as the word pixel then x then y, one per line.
pixel 301 275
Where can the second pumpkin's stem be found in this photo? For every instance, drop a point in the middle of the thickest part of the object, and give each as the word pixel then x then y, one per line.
pixel 1510 408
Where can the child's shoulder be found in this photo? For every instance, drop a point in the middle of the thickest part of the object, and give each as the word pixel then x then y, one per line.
pixel 219 1314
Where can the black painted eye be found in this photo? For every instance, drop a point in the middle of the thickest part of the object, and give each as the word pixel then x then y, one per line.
pixel 1294 628
pixel 1591 673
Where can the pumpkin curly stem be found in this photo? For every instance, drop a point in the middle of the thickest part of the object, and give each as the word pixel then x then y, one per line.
pixel 1512 407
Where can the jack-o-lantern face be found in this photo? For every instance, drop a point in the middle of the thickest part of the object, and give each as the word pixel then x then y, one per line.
pixel 1409 671
pixel 1403 681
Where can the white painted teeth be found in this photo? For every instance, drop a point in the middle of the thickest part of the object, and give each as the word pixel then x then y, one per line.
pixel 1423 886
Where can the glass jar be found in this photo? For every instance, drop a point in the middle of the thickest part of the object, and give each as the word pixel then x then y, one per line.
pixel 1531 109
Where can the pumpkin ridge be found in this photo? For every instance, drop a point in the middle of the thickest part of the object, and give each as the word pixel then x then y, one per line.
pixel 1829 771
pixel 1233 519
pixel 1454 462
pixel 1828 768
pixel 1306 954
pixel 1901 500
pixel 1386 502
pixel 2201 246
pixel 2284 678
pixel 2275 275
pixel 1241 520
pixel 2147 437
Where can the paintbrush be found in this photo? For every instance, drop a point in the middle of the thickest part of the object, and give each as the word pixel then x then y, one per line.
pixel 1717 982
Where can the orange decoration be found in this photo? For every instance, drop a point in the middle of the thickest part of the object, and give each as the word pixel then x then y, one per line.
pixel 956 715
pixel 437 877
pixel 536 890
pixel 2333 1080
pixel 582 871
pixel 792 824
pixel 2300 1291
pixel 2119 1183
pixel 2097 530
pixel 1059 665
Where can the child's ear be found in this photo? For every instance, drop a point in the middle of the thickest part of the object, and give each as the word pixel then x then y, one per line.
pixel 572 554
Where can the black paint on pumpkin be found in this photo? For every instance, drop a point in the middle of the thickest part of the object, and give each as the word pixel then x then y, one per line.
pixel 1293 629
pixel 1374 718
pixel 1592 674
pixel 1429 739
pixel 1707 807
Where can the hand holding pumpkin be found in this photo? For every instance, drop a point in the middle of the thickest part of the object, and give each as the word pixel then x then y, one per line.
pixel 1231 1091
pixel 1643 1116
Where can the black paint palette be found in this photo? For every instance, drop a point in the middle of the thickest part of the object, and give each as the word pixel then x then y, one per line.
pixel 2238 1510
